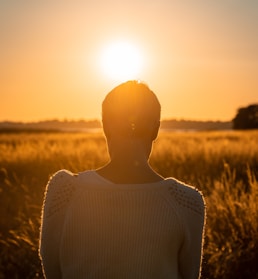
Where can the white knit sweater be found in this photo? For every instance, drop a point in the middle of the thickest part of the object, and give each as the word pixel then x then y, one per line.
pixel 93 228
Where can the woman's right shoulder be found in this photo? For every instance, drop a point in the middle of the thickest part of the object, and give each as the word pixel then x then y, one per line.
pixel 187 196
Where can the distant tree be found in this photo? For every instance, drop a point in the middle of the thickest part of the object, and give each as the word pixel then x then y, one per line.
pixel 246 118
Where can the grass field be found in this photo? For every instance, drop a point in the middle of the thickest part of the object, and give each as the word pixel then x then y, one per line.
pixel 224 165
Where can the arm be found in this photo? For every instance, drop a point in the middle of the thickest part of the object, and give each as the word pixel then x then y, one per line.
pixel 190 256
pixel 58 193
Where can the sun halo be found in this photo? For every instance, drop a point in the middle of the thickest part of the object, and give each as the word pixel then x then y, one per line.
pixel 121 61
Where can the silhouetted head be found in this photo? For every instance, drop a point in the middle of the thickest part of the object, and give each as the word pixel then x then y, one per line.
pixel 131 110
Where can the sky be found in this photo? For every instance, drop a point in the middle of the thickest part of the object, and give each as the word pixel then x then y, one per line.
pixel 199 57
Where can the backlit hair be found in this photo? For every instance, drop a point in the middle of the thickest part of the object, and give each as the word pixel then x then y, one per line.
pixel 131 108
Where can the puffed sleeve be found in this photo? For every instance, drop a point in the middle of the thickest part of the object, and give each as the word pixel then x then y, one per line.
pixel 58 193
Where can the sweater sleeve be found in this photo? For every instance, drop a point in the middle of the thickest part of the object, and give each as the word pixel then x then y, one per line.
pixel 58 193
pixel 192 214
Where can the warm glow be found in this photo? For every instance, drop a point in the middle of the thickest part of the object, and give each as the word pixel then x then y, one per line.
pixel 121 61
pixel 60 58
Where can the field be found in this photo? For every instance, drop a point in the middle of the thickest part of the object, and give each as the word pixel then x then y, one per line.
pixel 224 165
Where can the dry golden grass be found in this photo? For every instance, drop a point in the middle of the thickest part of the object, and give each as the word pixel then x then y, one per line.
pixel 224 165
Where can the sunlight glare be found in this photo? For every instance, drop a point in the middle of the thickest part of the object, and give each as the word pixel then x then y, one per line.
pixel 121 60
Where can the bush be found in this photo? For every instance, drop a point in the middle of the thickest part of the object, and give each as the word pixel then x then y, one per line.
pixel 246 118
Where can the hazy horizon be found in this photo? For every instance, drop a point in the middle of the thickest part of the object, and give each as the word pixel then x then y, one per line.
pixel 63 120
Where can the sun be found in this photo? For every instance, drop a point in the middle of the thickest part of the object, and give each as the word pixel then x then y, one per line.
pixel 121 60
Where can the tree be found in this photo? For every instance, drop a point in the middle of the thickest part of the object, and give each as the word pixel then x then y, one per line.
pixel 246 118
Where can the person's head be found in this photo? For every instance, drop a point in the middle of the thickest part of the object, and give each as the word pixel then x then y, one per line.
pixel 131 111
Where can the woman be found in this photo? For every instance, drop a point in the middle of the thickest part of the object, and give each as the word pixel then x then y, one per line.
pixel 123 220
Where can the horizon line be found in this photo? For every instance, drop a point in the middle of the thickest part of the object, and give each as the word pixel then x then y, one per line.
pixel 99 120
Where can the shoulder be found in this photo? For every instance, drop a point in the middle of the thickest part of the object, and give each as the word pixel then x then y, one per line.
pixel 59 191
pixel 61 174
pixel 61 181
pixel 188 197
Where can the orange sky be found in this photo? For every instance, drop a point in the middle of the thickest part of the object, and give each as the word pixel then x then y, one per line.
pixel 200 57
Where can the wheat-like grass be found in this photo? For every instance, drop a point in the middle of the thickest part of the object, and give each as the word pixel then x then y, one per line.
pixel 224 165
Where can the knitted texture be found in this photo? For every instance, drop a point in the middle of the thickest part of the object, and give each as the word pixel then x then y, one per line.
pixel 59 192
pixel 121 230
pixel 187 196
pixel 58 197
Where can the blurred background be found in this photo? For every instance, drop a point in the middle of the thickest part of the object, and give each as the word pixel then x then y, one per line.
pixel 60 58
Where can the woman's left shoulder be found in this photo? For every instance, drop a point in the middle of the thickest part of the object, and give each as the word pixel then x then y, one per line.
pixel 59 191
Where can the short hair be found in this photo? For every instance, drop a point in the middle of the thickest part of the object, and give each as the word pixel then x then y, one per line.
pixel 131 108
